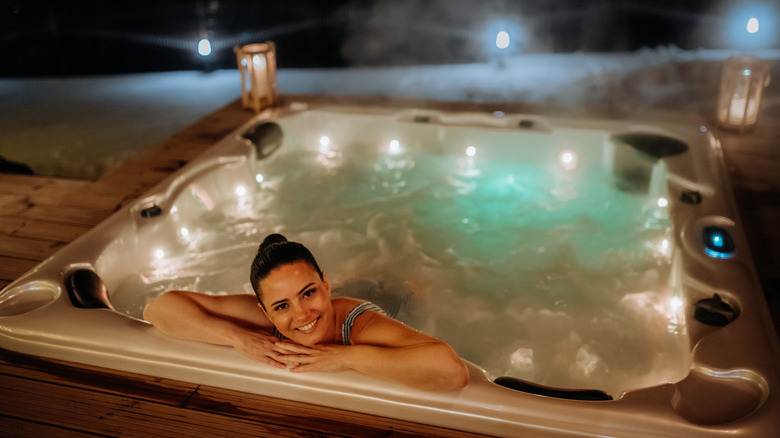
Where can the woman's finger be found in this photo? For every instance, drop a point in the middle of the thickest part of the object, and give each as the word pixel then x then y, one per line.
pixel 288 348
pixel 273 362
pixel 282 359
pixel 302 368
pixel 298 359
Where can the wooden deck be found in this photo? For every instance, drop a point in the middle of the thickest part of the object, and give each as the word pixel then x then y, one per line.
pixel 41 397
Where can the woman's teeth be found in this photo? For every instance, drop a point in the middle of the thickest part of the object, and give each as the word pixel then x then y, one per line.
pixel 308 326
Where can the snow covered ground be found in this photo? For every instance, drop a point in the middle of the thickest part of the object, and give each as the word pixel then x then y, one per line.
pixel 81 127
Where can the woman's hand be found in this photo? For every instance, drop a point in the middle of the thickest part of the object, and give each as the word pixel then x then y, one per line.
pixel 321 358
pixel 262 347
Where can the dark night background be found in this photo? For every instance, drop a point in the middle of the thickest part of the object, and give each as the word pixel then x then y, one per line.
pixel 58 38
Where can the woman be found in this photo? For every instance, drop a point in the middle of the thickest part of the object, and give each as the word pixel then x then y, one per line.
pixel 294 323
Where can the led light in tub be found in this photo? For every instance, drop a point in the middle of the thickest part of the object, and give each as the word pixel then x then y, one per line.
pixel 663 247
pixel 467 165
pixel 324 144
pixel 568 160
pixel 394 147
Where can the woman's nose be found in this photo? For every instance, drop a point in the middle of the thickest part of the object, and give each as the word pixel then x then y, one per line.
pixel 302 313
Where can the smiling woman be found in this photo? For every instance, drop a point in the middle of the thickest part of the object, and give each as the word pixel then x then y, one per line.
pixel 297 325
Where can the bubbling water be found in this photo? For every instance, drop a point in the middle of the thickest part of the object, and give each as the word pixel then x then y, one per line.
pixel 527 273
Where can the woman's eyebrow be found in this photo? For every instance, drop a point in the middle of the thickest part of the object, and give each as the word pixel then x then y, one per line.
pixel 305 288
pixel 278 302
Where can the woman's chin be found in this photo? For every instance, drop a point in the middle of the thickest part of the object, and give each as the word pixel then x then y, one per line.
pixel 307 339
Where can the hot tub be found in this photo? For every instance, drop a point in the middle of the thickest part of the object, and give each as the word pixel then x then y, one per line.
pixel 559 257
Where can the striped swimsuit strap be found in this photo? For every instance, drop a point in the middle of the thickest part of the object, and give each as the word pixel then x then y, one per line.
pixel 346 326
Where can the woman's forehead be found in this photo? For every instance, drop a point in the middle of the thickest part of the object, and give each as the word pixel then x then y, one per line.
pixel 288 275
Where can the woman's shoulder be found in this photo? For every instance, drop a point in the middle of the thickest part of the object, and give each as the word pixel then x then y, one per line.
pixel 343 305
pixel 347 304
pixel 348 309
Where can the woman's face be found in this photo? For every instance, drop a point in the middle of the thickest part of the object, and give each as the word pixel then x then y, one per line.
pixel 298 303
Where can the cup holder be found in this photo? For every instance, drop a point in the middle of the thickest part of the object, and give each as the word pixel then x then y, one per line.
pixel 711 397
pixel 27 297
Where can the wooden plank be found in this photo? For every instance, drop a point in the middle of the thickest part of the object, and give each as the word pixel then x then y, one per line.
pixel 41 229
pixel 88 216
pixel 321 418
pixel 759 222
pixel 70 201
pixel 208 399
pixel 762 140
pixel 94 378
pixel 9 225
pixel 49 194
pixel 751 162
pixel 14 204
pixel 98 412
pixel 754 177
pixel 29 184
pixel 72 207
pixel 12 268
pixel 26 248
pixel 17 428
pixel 62 375
pixel 29 191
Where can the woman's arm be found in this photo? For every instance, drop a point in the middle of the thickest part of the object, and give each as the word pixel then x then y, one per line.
pixel 387 349
pixel 233 320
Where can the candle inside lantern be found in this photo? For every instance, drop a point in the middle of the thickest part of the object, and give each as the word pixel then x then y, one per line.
pixel 257 64
pixel 742 81
pixel 259 77
pixel 740 112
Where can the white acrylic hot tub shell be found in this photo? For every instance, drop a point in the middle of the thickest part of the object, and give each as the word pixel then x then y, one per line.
pixel 732 389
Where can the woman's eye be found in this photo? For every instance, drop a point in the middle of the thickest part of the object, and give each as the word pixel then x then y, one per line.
pixel 280 307
pixel 308 293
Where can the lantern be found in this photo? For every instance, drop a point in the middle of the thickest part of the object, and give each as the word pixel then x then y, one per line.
pixel 742 81
pixel 257 64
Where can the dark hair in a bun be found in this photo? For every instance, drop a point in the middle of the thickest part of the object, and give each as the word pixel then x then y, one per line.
pixel 277 251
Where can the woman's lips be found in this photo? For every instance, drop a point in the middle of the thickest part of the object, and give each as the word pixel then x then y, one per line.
pixel 308 328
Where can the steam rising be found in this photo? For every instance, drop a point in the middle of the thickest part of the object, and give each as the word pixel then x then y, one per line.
pixel 413 32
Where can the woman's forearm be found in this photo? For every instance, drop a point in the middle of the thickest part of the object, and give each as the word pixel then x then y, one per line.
pixel 385 349
pixel 432 367
pixel 185 315
pixel 179 316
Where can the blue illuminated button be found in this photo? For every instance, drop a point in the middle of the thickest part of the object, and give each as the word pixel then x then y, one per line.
pixel 718 243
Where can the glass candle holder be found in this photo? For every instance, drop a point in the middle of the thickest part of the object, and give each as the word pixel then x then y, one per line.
pixel 257 64
pixel 741 83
